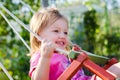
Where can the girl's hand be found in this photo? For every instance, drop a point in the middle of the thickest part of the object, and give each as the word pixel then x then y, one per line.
pixel 76 48
pixel 47 48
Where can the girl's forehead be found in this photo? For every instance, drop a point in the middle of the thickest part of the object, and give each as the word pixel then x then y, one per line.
pixel 60 23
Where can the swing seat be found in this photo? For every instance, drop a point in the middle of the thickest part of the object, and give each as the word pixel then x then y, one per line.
pixel 83 60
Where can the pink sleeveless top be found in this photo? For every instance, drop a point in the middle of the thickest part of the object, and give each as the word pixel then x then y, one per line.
pixel 58 64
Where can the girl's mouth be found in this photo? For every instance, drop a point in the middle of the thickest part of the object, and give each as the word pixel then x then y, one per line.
pixel 60 43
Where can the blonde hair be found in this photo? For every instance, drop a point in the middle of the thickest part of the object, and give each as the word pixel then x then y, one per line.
pixel 39 21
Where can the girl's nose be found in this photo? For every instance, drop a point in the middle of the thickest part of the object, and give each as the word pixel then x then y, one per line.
pixel 62 35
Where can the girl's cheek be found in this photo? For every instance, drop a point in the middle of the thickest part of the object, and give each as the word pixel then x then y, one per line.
pixel 67 41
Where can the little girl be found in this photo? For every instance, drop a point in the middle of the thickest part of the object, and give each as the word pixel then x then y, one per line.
pixel 46 63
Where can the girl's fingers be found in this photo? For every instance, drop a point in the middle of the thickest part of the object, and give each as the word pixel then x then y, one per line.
pixel 47 48
pixel 48 43
pixel 76 48
pixel 51 44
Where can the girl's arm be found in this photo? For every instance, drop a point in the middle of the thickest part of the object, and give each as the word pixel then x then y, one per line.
pixel 42 70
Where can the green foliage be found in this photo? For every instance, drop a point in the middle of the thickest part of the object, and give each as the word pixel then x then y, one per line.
pixel 113 44
pixel 12 50
pixel 95 30
pixel 3 76
pixel 90 28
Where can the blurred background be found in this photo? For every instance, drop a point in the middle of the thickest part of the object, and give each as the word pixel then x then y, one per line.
pixel 94 25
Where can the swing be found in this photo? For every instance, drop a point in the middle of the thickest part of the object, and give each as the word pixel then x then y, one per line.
pixel 80 58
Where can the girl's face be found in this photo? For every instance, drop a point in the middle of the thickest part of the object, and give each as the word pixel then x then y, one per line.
pixel 57 33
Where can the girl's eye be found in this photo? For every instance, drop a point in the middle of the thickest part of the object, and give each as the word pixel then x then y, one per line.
pixel 66 33
pixel 56 31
